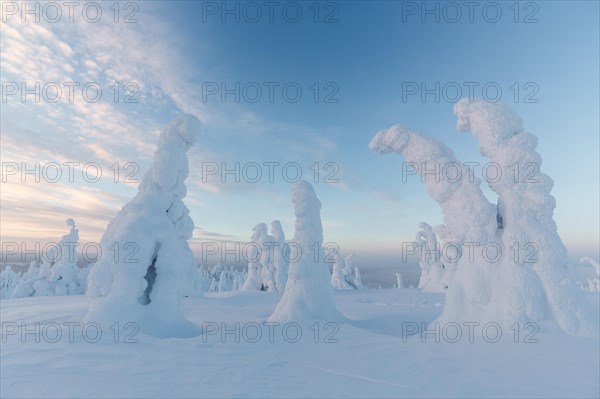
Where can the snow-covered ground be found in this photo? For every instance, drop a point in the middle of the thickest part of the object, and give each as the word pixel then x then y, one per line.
pixel 368 356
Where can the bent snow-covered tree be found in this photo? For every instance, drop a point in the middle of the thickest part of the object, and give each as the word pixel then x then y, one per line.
pixel 509 289
pixel 542 287
pixel 468 215
pixel 454 196
pixel 308 293
pixel 147 264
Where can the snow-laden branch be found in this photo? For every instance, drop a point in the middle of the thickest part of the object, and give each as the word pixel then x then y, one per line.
pixel 468 215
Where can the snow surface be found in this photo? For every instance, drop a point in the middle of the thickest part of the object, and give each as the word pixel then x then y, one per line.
pixel 370 358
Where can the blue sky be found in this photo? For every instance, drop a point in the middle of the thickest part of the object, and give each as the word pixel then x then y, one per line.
pixel 176 50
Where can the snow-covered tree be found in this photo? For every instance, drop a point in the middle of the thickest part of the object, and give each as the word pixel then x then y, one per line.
pixel 308 293
pixel 344 274
pixel 58 274
pixel 24 284
pixel 147 264
pixel 511 289
pixel 280 255
pixel 9 280
pixel 454 197
pixel 341 277
pixel 432 269
pixel 468 215
pixel 357 280
pixel 83 275
pixel 32 270
pixel 256 256
pixel 222 279
pixel 267 255
pixel 399 282
pixel 238 280
pixel 64 273
pixel 24 287
pixel 592 281
pixel 225 283
pixel 536 290
pixel 215 278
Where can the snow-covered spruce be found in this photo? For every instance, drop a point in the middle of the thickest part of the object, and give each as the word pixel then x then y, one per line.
pixel 341 277
pixel 510 290
pixel 308 293
pixel 344 276
pixel 58 274
pixel 221 279
pixel 281 255
pixel 432 269
pixel 215 278
pixel 399 282
pixel 64 273
pixel 260 273
pixel 267 259
pixel 147 264
pixel 24 283
pixel 592 280
pixel 468 215
pixel 454 197
pixel 9 280
pixel 358 279
pixel 542 289
pixel 353 274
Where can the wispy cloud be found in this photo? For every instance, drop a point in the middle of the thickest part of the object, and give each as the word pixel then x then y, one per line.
pixel 149 54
